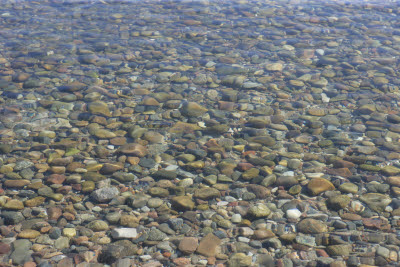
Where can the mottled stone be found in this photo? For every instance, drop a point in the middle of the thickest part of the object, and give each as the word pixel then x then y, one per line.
pixel 208 245
pixel 188 245
pixel 182 203
pixel 311 226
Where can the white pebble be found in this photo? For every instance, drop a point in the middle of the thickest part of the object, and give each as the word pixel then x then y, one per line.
pixel 293 214
pixel 236 218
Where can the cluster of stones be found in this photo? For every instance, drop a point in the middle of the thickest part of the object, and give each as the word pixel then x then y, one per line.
pixel 199 133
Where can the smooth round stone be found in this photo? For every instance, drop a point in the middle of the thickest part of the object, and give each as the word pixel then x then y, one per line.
pixel 155 202
pixel 105 194
pixel 311 226
pixel 29 234
pixel 240 259
pixel 98 225
pixel 259 211
pixel 186 182
pixel 348 188
pixel 183 203
pixel 158 192
pixel 338 202
pixel 34 202
pixel 61 243
pixel 156 235
pixel 113 217
pixel 207 193
pixel 319 185
pixel 193 109
pixel 69 232
pixel 99 108
pixel 250 174
pixel 14 204
pixel 339 250
pixel 88 186
pixel 293 214
pixel 236 218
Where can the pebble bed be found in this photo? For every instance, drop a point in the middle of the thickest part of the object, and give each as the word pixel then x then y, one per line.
pixel 199 133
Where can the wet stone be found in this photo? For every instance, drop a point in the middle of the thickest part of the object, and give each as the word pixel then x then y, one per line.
pixel 311 226
pixel 105 194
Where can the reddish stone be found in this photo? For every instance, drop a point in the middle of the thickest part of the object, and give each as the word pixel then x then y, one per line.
pixel 322 253
pixel 64 189
pixel 45 229
pixel 351 216
pixel 244 166
pixel 30 264
pixel 5 230
pixel 224 105
pixel 375 223
pixel 188 245
pixel 54 213
pixel 62 161
pixel 344 172
pixel 69 216
pixel 181 261
pixel 134 149
pixel 66 262
pixel 301 247
pixel 208 245
pixel 74 165
pixel 250 152
pixel 260 191
pixel 211 260
pixel 283 194
pixel 56 179
pixel 233 204
pixel 343 164
pixel 77 187
pixel 118 141
pixel 80 240
pixel 4 248
pixel 152 214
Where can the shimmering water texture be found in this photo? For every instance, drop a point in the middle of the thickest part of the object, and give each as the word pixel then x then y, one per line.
pixel 194 133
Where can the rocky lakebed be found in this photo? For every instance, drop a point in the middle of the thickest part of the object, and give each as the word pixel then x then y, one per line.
pixel 199 133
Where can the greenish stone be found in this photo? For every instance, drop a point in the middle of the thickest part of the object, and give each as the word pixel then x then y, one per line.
pixel 348 188
pixel 390 170
pixel 93 176
pixel 259 211
pixel 294 190
pixel 240 260
pixel 206 193
pixel 325 143
pixel 224 179
pixel 99 108
pixel 250 174
pixel 98 225
pixel 338 202
pixel 88 186
pixel 339 250
pixel 269 180
pixel 263 140
pixel 371 168
pixel 375 201
pixel 71 151
pixel 182 203
pixel 158 192
pixel 211 179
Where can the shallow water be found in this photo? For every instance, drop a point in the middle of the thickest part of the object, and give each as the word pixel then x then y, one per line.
pixel 255 99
